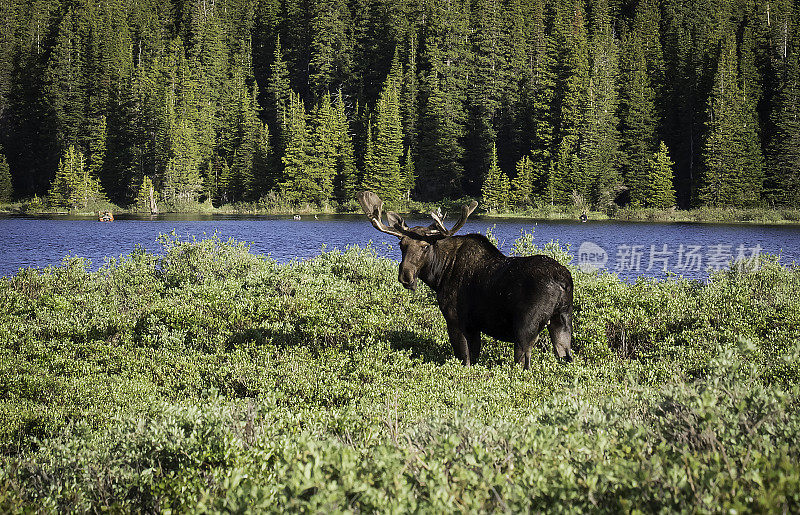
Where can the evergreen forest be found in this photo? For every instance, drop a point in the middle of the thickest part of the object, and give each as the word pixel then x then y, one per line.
pixel 651 103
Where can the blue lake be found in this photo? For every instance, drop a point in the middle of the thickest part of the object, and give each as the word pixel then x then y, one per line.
pixel 629 249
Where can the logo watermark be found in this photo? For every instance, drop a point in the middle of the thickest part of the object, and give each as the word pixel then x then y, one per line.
pixel 675 258
pixel 591 256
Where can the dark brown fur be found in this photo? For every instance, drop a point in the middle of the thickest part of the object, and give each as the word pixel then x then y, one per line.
pixel 480 290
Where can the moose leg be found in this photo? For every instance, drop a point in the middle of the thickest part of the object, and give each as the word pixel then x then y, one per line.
pixel 522 351
pixel 561 335
pixel 459 343
pixel 528 350
pixel 474 341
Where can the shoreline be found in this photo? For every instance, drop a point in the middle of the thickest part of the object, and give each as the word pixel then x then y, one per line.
pixel 711 216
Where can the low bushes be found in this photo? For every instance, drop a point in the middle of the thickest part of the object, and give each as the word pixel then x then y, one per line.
pixel 208 378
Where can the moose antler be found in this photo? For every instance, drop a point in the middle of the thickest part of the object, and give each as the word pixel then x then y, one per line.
pixel 437 219
pixel 373 208
pixel 465 212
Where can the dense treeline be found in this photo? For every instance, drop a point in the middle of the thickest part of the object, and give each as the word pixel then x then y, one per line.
pixel 654 102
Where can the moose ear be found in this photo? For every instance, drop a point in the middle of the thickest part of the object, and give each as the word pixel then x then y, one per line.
pixel 396 221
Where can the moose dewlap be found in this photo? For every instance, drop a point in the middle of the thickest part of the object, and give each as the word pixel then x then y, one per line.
pixel 480 290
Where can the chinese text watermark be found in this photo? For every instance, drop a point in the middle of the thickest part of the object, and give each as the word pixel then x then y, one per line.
pixel 667 258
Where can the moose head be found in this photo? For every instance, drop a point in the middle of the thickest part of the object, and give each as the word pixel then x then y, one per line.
pixel 415 242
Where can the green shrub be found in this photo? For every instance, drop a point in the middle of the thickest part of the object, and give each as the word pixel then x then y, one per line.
pixel 207 378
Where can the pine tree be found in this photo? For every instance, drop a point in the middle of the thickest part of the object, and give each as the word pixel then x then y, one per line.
pixel 384 176
pixel 6 187
pixel 346 179
pixel 331 46
pixel 783 155
pixel 600 136
pixel 496 189
pixel 639 135
pixel 660 192
pixel 732 158
pixel 522 184
pixel 571 97
pixel 74 187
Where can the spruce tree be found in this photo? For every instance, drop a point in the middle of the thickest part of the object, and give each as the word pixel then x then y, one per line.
pixel 443 94
pixel 733 169
pixel 244 129
pixel 331 46
pixel 346 179
pixel 409 104
pixel 370 165
pixel 539 95
pixel 384 176
pixel 278 93
pixel 147 197
pixel 600 145
pixel 182 181
pixel 660 192
pixel 408 177
pixel 496 190
pixel 65 90
pixel 324 149
pixel 123 161
pixel 638 135
pixel 571 97
pixel 97 145
pixel 523 183
pixel 264 176
pixel 74 187
pixel 783 154
pixel 300 176
pixel 440 167
pixel 485 89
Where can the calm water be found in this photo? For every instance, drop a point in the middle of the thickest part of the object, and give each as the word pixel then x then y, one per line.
pixel 630 249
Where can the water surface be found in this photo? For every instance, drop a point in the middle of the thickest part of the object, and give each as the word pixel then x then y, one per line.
pixel 630 249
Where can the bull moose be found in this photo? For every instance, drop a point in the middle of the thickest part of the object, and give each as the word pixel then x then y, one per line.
pixel 480 290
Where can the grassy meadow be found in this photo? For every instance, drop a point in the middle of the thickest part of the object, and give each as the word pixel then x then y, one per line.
pixel 208 379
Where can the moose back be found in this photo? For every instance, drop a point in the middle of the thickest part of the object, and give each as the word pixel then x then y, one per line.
pixel 480 290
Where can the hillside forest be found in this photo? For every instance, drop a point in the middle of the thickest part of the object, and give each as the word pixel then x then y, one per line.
pixel 650 103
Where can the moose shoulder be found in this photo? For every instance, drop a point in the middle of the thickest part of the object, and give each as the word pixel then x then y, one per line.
pixel 480 290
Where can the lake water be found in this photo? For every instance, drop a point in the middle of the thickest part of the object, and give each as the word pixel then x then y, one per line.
pixel 629 249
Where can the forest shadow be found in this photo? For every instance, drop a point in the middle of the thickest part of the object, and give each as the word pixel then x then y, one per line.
pixel 427 350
